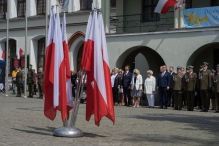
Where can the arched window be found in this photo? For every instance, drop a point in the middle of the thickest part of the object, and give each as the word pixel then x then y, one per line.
pixel 79 57
pixel 41 53
pixel 86 4
pixel 3 9
pixel 41 7
pixel 11 55
pixel 21 8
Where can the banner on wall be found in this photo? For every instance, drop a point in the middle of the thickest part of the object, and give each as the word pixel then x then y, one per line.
pixel 201 17
pixel 22 62
pixel 16 62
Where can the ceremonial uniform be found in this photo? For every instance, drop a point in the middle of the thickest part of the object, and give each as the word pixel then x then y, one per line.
pixel 205 87
pixel 190 85
pixel 177 85
pixel 40 83
pixel 199 102
pixel 19 78
pixel 30 82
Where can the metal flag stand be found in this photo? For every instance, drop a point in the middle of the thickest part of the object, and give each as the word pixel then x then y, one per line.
pixel 71 131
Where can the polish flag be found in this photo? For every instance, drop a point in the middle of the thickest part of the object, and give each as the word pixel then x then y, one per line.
pixel 19 52
pixel 84 55
pixel 101 103
pixel 67 67
pixel 164 5
pixel 2 54
pixel 179 4
pixel 55 82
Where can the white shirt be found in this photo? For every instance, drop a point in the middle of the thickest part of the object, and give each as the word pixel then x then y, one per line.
pixel 138 82
pixel 113 79
pixel 149 85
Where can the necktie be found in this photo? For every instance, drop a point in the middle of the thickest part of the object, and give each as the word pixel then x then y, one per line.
pixel 162 74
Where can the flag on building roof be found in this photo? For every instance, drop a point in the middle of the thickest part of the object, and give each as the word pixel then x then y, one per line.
pixel 164 5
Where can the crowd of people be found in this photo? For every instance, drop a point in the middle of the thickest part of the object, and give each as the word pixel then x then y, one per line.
pixel 33 80
pixel 178 89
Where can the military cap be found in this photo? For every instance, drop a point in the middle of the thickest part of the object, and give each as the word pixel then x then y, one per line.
pixel 19 67
pixel 187 67
pixel 191 67
pixel 30 64
pixel 217 66
pixel 41 67
pixel 179 68
pixel 200 66
pixel 213 71
pixel 205 64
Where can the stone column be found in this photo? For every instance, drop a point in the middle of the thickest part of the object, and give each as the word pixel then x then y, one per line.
pixel 176 18
pixel 105 9
pixel 181 16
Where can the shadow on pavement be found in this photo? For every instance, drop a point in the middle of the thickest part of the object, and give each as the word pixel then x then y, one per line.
pixel 170 139
pixel 208 124
pixel 32 132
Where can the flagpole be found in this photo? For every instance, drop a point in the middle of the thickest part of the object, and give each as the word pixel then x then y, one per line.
pixel 8 16
pixel 25 66
pixel 46 32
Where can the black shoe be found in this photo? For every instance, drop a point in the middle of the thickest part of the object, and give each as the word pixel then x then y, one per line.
pixel 206 110
pixel 216 111
pixel 175 109
pixel 188 110
pixel 160 107
pixel 19 95
pixel 180 109
pixel 202 111
pixel 165 107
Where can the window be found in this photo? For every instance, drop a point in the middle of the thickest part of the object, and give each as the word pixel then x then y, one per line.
pixel 41 7
pixel 214 2
pixel 11 55
pixel 112 3
pixel 21 8
pixel 148 11
pixel 86 4
pixel 41 53
pixel 188 4
pixel 3 9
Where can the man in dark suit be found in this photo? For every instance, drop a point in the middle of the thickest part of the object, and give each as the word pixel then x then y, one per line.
pixel 163 84
pixel 126 81
pixel 170 91
pixel 116 82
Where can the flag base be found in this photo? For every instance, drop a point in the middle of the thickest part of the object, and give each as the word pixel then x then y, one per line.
pixel 68 132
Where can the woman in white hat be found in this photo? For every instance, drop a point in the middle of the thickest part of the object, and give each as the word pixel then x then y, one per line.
pixel 149 88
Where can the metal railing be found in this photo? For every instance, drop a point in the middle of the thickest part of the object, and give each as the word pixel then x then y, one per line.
pixel 141 22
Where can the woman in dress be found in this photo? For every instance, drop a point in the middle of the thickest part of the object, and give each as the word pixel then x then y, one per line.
pixel 121 95
pixel 149 88
pixel 136 86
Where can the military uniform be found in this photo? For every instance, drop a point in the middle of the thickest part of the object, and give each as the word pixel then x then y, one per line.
pixel 30 82
pixel 190 85
pixel 40 83
pixel 177 85
pixel 199 102
pixel 19 78
pixel 205 87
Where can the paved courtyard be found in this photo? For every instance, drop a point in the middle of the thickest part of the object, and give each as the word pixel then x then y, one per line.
pixel 22 123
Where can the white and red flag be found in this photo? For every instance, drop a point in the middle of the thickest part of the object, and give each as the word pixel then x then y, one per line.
pixel 19 52
pixel 67 67
pixel 2 54
pixel 101 103
pixel 179 4
pixel 84 55
pixel 164 5
pixel 54 76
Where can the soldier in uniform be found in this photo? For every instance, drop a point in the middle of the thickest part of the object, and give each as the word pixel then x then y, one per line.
pixel 199 102
pixel 19 78
pixel 30 81
pixel 177 85
pixel 216 88
pixel 205 87
pixel 40 81
pixel 190 85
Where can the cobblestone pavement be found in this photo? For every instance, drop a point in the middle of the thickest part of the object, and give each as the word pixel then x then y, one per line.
pixel 22 123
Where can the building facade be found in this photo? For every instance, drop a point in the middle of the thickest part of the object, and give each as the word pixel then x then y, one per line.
pixel 136 36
